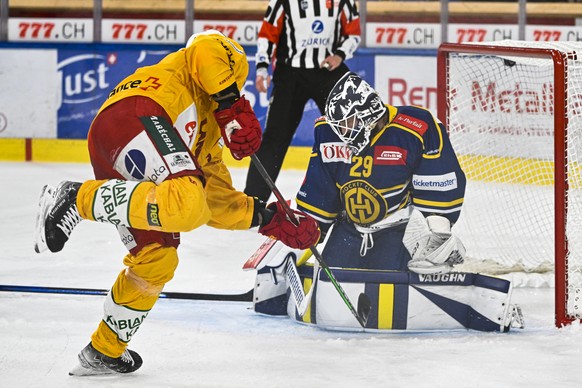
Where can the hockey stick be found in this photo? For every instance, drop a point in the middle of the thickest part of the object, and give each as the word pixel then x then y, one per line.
pixel 259 255
pixel 244 297
pixel 301 299
pixel 364 304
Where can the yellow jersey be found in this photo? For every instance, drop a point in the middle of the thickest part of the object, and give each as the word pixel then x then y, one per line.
pixel 182 83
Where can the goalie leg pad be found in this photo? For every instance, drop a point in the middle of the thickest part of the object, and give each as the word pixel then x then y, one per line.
pixel 270 292
pixel 408 301
pixel 475 301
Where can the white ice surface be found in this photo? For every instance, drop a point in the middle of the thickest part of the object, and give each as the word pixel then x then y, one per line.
pixel 220 344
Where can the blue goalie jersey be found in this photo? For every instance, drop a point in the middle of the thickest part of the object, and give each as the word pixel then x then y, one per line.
pixel 409 162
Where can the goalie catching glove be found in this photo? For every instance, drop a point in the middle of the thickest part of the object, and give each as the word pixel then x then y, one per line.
pixel 301 233
pixel 431 245
pixel 240 128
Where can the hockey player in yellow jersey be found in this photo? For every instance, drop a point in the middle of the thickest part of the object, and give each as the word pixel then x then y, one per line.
pixel 156 151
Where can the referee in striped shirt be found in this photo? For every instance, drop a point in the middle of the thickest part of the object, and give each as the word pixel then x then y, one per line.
pixel 307 41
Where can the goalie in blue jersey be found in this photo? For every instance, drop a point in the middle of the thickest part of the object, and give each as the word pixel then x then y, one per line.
pixel 385 185
pixel 387 180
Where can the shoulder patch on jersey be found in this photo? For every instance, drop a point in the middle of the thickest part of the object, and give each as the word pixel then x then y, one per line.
pixel 335 152
pixel 320 120
pixel 389 155
pixel 168 143
pixel 410 122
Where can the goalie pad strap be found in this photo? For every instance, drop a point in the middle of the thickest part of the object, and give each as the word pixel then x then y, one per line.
pixel 398 277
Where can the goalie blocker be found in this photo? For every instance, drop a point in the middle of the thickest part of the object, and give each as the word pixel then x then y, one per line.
pixel 400 300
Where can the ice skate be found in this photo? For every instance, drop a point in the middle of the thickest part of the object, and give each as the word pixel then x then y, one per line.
pixel 57 216
pixel 514 318
pixel 92 362
pixel 45 203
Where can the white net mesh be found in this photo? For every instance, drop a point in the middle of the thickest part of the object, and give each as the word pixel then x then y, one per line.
pixel 501 121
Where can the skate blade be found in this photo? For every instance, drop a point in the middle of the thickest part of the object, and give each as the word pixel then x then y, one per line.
pixel 45 203
pixel 80 370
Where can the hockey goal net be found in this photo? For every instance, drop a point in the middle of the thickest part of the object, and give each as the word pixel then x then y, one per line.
pixel 514 113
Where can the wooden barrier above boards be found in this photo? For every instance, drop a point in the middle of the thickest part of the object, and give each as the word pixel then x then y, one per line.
pixel 376 10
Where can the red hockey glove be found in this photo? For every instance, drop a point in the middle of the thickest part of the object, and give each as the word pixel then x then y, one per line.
pixel 240 128
pixel 300 235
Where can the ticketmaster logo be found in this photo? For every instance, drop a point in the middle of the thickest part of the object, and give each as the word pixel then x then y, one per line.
pixel 444 182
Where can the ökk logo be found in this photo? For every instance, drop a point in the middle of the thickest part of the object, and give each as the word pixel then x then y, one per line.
pixel 135 163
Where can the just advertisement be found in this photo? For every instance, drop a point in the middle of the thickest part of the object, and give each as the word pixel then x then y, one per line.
pixel 87 76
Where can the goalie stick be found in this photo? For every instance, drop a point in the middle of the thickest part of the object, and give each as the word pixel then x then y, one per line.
pixel 244 297
pixel 364 304
pixel 301 300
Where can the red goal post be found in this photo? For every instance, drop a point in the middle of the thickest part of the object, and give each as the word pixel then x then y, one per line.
pixel 514 113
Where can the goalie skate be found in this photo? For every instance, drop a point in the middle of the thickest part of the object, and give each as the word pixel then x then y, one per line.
pixel 514 318
pixel 94 363
pixel 45 203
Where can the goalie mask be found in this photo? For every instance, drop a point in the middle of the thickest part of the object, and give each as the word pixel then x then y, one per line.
pixel 353 108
